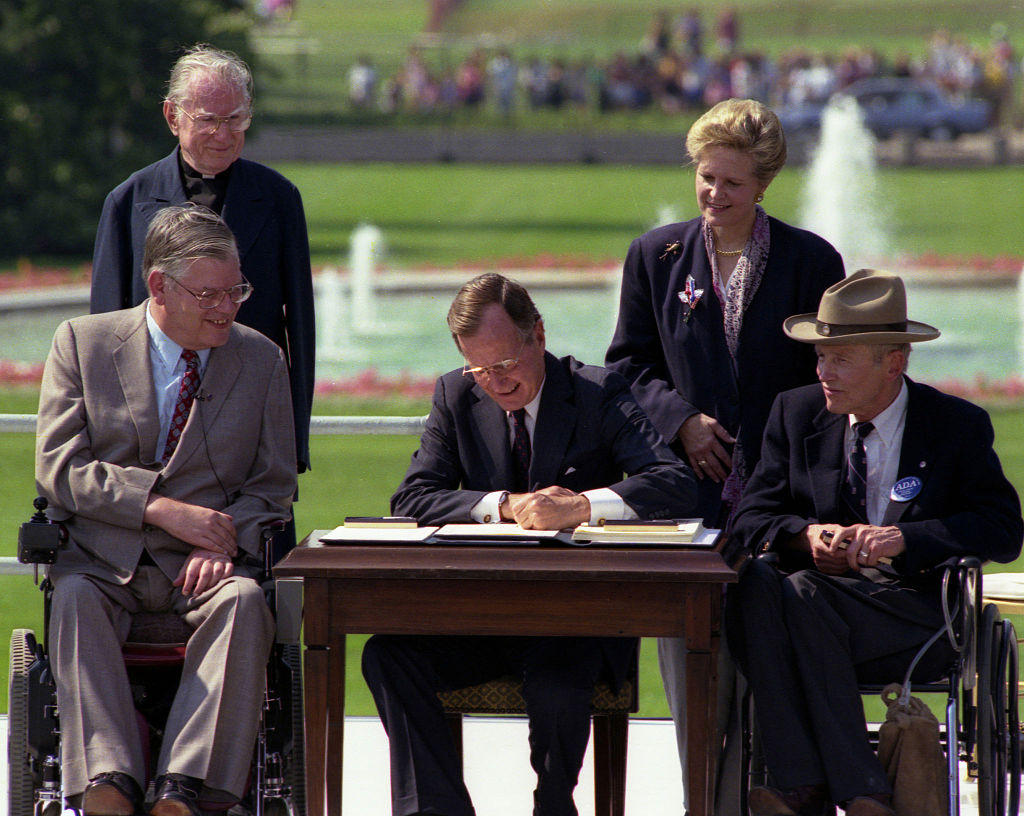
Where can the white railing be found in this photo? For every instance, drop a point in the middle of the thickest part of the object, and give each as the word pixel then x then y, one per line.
pixel 318 426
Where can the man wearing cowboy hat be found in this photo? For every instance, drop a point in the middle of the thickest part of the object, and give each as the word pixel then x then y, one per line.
pixel 867 483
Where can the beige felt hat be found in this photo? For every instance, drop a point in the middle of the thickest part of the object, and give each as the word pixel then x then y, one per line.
pixel 867 307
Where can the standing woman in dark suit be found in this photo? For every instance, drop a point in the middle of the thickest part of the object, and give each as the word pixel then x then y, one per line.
pixel 699 334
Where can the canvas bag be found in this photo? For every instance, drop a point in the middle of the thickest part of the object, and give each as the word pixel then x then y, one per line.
pixel 911 753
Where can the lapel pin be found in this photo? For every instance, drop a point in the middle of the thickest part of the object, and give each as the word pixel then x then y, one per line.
pixel 906 489
pixel 690 296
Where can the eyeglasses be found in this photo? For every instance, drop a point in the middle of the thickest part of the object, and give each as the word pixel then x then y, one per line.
pixel 212 298
pixel 206 124
pixel 501 368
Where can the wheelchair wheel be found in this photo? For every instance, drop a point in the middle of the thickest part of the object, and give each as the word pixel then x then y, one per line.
pixel 20 783
pixel 998 749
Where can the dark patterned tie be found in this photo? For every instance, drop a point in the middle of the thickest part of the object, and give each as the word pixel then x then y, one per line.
pixel 521 451
pixel 855 485
pixel 186 396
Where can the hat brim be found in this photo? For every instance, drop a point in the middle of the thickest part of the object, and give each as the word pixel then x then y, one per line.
pixel 804 329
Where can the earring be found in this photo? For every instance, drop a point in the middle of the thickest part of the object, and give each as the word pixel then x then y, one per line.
pixel 759 198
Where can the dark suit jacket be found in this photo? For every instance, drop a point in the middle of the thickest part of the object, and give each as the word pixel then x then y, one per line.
pixel 589 432
pixel 264 211
pixel 965 506
pixel 679 366
pixel 98 444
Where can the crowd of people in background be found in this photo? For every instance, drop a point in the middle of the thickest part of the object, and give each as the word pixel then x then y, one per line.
pixel 674 70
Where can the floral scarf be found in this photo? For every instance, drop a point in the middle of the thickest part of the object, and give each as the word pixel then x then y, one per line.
pixel 740 291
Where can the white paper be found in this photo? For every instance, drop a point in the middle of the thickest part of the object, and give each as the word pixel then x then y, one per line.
pixel 379 534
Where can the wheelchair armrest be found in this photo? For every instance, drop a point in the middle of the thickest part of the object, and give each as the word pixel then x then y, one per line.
pixel 962 603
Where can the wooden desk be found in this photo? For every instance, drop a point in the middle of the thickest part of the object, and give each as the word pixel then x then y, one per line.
pixel 496 590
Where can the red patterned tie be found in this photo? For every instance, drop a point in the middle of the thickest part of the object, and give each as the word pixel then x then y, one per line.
pixel 186 396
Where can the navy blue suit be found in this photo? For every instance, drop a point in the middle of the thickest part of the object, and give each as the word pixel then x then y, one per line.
pixel 805 639
pixel 589 432
pixel 264 211
pixel 677 362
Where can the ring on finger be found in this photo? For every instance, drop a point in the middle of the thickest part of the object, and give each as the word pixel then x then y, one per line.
pixel 702 462
pixel 862 554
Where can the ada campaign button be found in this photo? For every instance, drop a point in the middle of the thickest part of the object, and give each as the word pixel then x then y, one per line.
pixel 905 489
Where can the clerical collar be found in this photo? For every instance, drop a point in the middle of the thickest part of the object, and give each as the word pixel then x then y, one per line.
pixel 203 189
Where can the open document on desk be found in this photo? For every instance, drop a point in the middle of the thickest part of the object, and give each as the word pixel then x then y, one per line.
pixel 679 533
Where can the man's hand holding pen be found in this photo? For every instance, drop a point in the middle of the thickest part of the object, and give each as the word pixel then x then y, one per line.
pixel 836 549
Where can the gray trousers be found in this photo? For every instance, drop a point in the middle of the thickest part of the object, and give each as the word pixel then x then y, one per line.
pixel 672 662
pixel 211 728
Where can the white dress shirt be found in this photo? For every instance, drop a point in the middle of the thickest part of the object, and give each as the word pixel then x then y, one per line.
pixel 882 447
pixel 605 503
pixel 168 369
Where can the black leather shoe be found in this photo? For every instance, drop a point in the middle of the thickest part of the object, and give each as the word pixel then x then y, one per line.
pixel 808 800
pixel 112 793
pixel 177 795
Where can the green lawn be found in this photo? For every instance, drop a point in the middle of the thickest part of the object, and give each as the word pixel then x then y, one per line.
pixel 353 475
pixel 443 214
pixel 597 29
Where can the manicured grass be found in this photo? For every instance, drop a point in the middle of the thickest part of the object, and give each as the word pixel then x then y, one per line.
pixel 591 29
pixel 352 475
pixel 442 214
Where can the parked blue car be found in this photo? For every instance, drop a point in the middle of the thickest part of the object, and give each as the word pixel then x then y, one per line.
pixel 898 105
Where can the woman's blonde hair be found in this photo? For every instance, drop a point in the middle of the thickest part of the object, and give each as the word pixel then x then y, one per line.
pixel 745 125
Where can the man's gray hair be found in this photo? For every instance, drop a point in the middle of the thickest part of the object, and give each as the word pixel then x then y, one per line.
pixel 879 352
pixel 204 60
pixel 178 236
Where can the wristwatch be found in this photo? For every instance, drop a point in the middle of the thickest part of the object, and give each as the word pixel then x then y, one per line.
pixel 502 498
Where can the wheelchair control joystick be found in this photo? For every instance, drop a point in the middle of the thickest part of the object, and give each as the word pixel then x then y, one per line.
pixel 40 539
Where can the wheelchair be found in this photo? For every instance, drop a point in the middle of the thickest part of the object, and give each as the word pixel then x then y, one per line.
pixel 981 725
pixel 153 655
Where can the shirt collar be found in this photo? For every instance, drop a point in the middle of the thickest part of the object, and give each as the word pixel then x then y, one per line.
pixel 168 351
pixel 890 421
pixel 533 406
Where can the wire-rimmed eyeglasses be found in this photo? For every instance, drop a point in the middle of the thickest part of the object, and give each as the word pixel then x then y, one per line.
pixel 212 298
pixel 498 369
pixel 207 124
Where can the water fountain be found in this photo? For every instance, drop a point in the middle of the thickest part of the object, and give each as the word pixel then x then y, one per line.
pixel 366 252
pixel 840 200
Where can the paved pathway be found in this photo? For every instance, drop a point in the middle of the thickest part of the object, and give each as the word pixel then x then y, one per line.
pixel 498 772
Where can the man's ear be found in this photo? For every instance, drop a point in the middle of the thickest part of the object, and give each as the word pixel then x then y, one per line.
pixel 895 363
pixel 538 333
pixel 171 116
pixel 155 281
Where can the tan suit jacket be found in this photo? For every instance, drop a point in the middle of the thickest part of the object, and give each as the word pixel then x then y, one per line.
pixel 98 446
pixel 97 462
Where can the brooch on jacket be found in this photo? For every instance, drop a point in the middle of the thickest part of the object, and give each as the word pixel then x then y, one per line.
pixel 690 297
pixel 670 249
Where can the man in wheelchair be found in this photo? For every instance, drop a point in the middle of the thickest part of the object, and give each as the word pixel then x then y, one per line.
pixel 867 483
pixel 164 444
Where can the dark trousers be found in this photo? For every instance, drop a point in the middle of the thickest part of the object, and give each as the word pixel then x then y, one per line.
pixel 405 673
pixel 804 641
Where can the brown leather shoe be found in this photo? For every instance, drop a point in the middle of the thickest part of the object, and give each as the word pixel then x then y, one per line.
pixel 870 806
pixel 807 800
pixel 111 794
pixel 177 795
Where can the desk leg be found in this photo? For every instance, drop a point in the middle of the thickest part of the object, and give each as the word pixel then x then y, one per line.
pixel 702 613
pixel 315 702
pixel 335 693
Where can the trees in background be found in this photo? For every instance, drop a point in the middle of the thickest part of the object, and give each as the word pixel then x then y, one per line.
pixel 81 85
